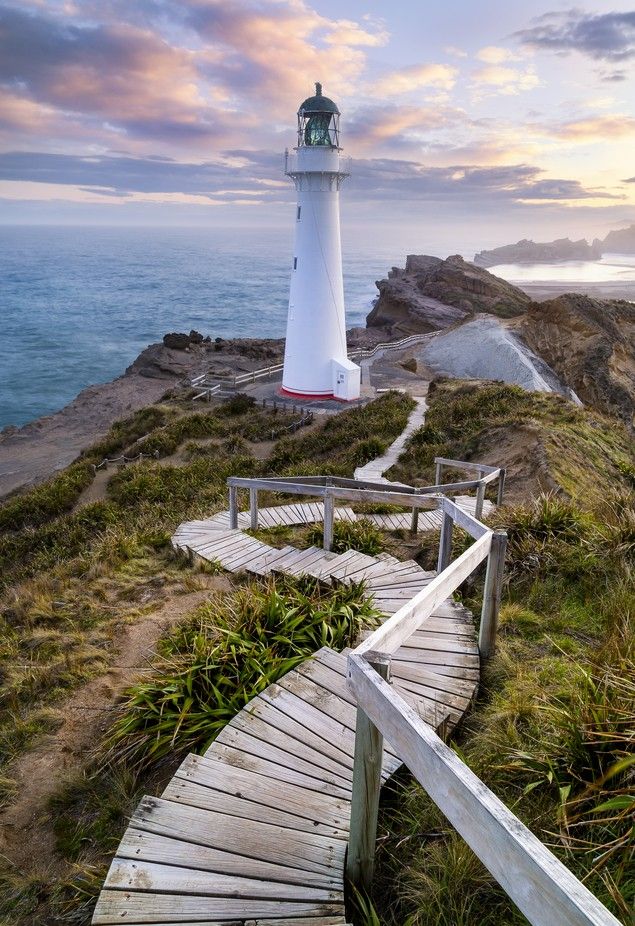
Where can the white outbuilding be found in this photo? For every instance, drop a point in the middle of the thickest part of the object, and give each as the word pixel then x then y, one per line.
pixel 316 363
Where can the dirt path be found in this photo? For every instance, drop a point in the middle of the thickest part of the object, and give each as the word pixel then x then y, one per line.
pixel 25 827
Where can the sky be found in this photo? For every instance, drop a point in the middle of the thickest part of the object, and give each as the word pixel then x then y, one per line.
pixel 499 118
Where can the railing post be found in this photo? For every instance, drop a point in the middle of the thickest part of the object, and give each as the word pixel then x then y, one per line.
pixel 414 520
pixel 329 511
pixel 492 594
pixel 501 486
pixel 233 507
pixel 480 498
pixel 445 542
pixel 437 474
pixel 369 746
pixel 253 508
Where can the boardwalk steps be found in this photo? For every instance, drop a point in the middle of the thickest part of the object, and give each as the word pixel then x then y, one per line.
pixel 254 832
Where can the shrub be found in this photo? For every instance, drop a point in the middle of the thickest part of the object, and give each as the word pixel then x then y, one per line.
pixel 46 501
pixel 361 535
pixel 230 652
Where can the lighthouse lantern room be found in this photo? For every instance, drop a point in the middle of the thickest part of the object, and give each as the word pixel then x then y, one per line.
pixel 316 363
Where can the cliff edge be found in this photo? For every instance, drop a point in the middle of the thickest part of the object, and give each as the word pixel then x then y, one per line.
pixel 430 294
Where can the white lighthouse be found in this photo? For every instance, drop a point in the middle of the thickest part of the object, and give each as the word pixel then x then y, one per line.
pixel 316 364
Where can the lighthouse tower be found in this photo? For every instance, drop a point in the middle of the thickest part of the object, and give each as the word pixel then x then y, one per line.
pixel 315 359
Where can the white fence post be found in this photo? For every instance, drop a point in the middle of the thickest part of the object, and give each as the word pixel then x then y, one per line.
pixel 253 508
pixel 329 511
pixel 501 486
pixel 233 507
pixel 492 594
pixel 445 542
pixel 480 498
pixel 369 748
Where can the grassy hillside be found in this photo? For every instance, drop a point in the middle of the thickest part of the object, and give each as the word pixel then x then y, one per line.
pixel 85 569
pixel 86 565
pixel 553 729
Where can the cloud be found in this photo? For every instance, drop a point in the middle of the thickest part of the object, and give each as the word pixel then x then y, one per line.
pixel 246 177
pixel 592 129
pixel 370 128
pixel 497 78
pixel 492 54
pixel 414 77
pixel 604 36
pixel 187 73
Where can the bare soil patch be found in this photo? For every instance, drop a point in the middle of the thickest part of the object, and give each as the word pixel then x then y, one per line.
pixel 26 833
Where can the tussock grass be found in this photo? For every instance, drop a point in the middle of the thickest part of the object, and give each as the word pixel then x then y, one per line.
pixel 553 731
pixel 344 441
pixel 224 656
pixel 360 535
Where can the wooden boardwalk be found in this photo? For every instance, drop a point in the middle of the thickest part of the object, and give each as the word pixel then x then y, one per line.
pixel 256 830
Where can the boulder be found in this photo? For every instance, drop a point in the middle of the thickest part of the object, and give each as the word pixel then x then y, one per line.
pixel 177 340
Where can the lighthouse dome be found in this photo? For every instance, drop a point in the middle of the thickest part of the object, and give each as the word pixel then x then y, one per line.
pixel 319 103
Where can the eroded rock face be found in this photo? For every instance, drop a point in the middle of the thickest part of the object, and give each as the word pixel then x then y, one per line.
pixel 431 294
pixel 533 252
pixel 590 343
pixel 621 240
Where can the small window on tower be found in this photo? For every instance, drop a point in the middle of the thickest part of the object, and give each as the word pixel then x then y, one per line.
pixel 299 211
pixel 295 263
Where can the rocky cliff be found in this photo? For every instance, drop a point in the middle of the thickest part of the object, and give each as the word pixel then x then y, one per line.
pixel 621 240
pixel 532 252
pixel 429 294
pixel 589 344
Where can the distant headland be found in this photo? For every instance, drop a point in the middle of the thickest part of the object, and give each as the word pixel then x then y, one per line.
pixel 527 251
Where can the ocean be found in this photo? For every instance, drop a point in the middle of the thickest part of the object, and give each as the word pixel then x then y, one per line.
pixel 77 305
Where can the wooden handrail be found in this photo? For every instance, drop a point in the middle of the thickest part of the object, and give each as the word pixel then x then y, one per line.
pixel 394 632
pixel 544 889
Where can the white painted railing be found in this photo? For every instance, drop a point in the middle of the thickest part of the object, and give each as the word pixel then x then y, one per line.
pixel 243 379
pixel 546 892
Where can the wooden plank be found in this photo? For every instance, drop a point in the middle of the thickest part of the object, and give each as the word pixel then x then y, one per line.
pixel 418 673
pixel 249 744
pixel 295 729
pixel 151 847
pixel 545 891
pixel 259 789
pixel 234 562
pixel 146 907
pixel 401 625
pixel 182 791
pixel 260 730
pixel 271 769
pixel 313 714
pixel 128 875
pixel 269 559
pixel 463 464
pixel 458 703
pixel 220 831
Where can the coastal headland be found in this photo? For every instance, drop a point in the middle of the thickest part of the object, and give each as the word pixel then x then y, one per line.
pixel 480 326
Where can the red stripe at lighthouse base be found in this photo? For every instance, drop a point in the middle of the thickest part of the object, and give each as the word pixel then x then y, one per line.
pixel 308 396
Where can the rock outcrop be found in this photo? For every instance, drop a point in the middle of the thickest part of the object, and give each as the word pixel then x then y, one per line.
pixel 536 252
pixel 589 344
pixel 621 240
pixel 431 294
